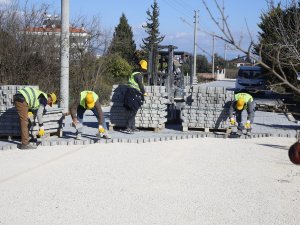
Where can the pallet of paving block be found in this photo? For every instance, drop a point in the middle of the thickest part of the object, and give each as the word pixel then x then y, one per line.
pixel 205 129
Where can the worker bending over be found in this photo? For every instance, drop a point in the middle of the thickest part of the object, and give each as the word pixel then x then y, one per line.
pixel 88 100
pixel 35 101
pixel 242 101
pixel 134 96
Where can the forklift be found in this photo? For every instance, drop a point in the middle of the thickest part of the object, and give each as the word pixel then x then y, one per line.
pixel 166 69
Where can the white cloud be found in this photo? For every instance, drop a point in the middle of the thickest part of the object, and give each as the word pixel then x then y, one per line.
pixel 176 36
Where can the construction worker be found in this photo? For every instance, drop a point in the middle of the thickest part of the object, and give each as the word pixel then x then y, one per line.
pixel 242 101
pixel 31 100
pixel 134 96
pixel 88 100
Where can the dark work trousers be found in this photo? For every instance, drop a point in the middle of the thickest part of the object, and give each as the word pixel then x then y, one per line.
pixel 22 109
pixel 131 119
pixel 81 110
pixel 238 115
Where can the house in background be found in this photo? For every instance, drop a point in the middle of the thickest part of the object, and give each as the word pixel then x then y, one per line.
pixel 50 30
pixel 240 61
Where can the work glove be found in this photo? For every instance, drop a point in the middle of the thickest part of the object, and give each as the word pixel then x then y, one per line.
pixel 145 94
pixel 101 130
pixel 232 121
pixel 248 124
pixel 41 132
pixel 30 114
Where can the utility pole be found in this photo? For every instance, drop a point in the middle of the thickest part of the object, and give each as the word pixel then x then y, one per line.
pixel 225 51
pixel 225 45
pixel 64 56
pixel 213 56
pixel 195 48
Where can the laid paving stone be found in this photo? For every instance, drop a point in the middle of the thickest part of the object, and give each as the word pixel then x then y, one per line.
pixel 70 142
pixel 53 143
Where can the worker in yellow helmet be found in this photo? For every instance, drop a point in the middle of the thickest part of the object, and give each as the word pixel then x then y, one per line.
pixel 242 101
pixel 134 96
pixel 31 100
pixel 88 100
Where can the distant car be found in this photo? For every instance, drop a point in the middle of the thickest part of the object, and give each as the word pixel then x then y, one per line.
pixel 250 79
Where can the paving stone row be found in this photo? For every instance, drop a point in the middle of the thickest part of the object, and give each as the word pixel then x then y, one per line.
pixel 152 114
pixel 9 120
pixel 206 107
pixel 70 142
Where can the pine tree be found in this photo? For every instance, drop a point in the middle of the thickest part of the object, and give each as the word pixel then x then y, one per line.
pixel 122 42
pixel 151 28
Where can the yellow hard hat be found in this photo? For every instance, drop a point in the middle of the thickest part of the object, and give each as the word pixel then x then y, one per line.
pixel 89 100
pixel 53 97
pixel 144 65
pixel 240 103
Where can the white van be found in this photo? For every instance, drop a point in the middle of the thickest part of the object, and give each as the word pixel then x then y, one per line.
pixel 250 79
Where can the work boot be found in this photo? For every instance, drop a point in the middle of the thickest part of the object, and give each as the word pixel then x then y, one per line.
pixel 240 126
pixel 78 136
pixel 128 131
pixel 105 136
pixel 28 146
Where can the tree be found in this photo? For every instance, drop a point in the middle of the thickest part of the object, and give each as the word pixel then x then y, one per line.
pixel 152 29
pixel 202 64
pixel 117 67
pixel 28 57
pixel 122 42
pixel 220 62
pixel 285 52
pixel 276 49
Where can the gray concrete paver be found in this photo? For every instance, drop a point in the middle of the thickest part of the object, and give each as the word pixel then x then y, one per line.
pixel 267 123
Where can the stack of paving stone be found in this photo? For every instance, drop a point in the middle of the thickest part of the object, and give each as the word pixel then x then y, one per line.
pixel 206 108
pixel 152 114
pixel 9 121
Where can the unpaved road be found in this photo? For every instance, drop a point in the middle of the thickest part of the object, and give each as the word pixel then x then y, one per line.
pixel 195 181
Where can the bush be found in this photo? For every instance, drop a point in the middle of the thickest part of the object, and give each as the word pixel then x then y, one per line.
pixel 117 67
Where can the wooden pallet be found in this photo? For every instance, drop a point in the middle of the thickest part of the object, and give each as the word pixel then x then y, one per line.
pixel 154 129
pixel 271 108
pixel 205 129
pixel 9 137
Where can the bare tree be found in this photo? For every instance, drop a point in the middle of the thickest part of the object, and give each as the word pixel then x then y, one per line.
pixel 29 49
pixel 87 64
pixel 285 53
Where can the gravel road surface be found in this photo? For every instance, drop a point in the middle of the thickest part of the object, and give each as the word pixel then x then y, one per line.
pixel 195 181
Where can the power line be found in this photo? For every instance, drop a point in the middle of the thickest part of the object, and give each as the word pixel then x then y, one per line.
pixel 184 5
pixel 179 10
pixel 187 4
pixel 185 21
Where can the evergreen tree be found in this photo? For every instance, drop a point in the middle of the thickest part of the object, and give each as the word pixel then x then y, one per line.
pixel 202 64
pixel 122 42
pixel 151 28
pixel 278 41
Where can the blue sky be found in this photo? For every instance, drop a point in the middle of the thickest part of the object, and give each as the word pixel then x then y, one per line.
pixel 172 12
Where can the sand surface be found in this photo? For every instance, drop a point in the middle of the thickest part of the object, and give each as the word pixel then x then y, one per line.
pixel 194 181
